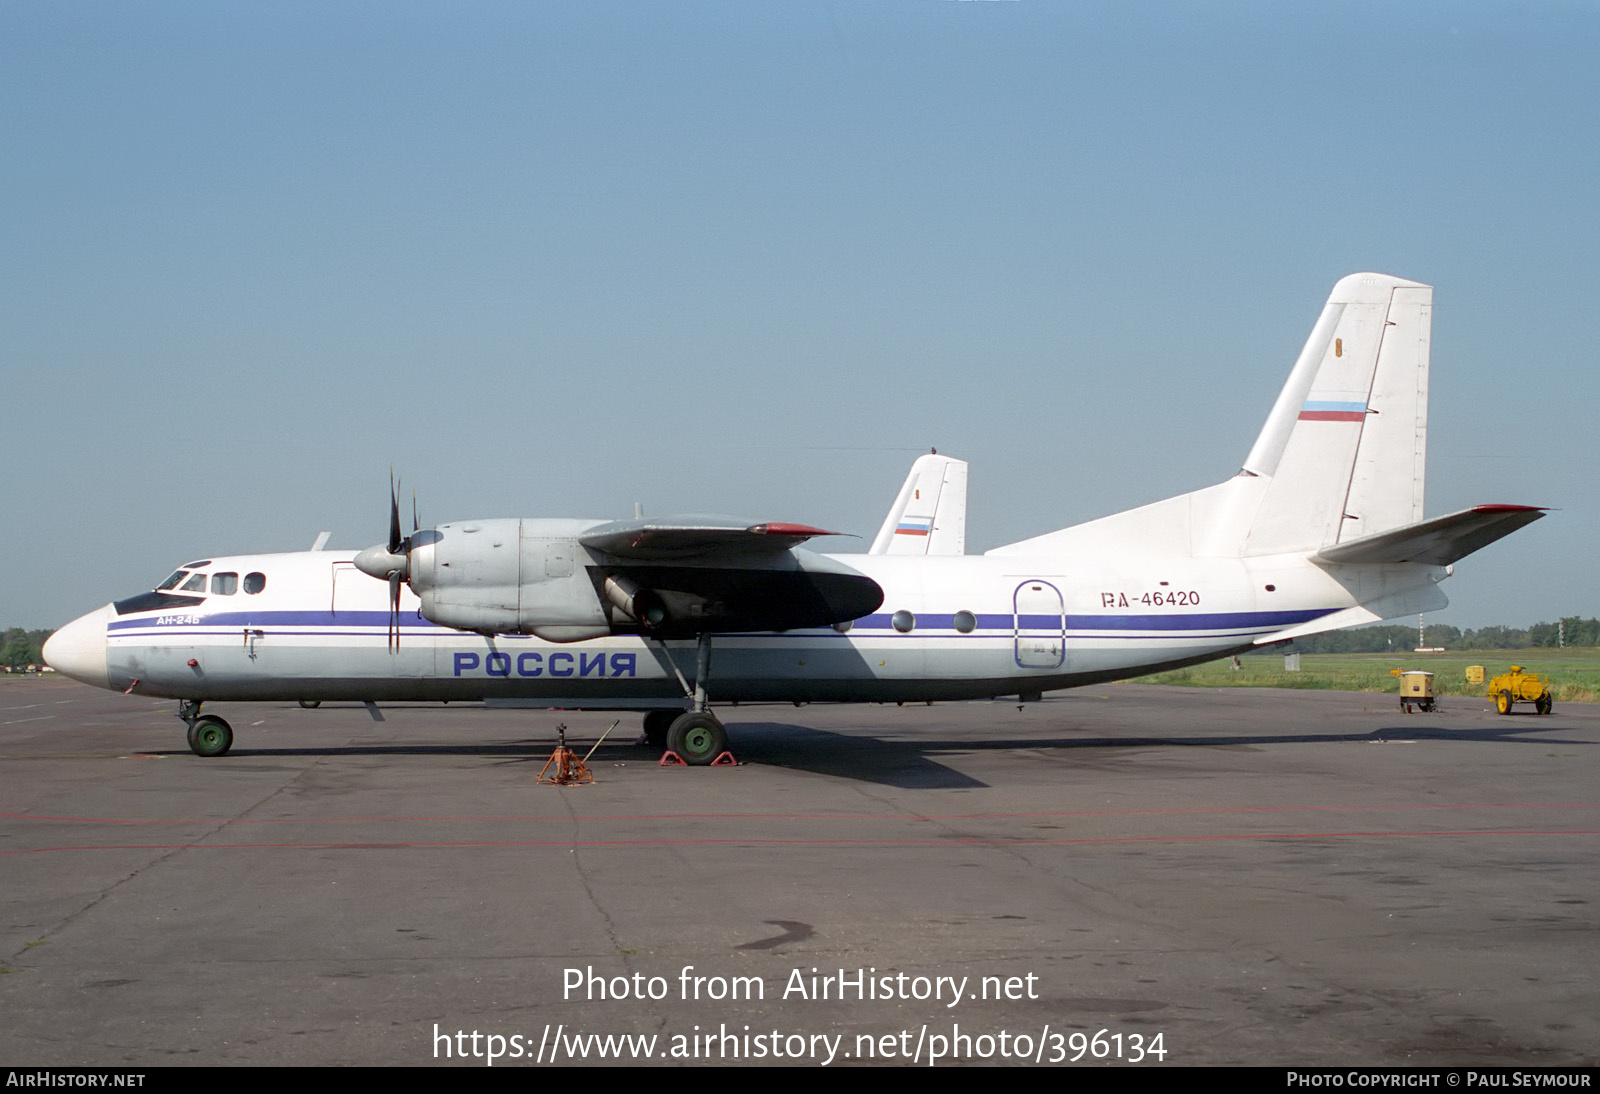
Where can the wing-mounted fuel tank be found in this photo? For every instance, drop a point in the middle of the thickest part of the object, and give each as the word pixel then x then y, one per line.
pixel 509 576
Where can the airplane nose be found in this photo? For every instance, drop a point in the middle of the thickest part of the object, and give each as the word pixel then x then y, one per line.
pixel 78 650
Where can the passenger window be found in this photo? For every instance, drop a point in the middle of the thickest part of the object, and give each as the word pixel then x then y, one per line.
pixel 196 584
pixel 224 584
pixel 965 622
pixel 254 583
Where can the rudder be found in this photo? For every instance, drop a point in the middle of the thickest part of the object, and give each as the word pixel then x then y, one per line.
pixel 1345 446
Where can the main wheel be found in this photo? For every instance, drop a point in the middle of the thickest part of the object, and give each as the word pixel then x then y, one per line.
pixel 698 738
pixel 311 704
pixel 1502 702
pixel 1545 704
pixel 210 736
pixel 656 725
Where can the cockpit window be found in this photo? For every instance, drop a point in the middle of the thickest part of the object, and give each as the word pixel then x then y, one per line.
pixel 166 597
pixel 156 602
pixel 254 583
pixel 197 565
pixel 224 584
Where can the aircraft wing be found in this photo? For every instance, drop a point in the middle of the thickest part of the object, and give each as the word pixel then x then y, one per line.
pixel 696 537
pixel 1437 542
pixel 689 575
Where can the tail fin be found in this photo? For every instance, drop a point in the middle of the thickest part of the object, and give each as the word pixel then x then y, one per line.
pixel 1345 446
pixel 929 516
pixel 1341 457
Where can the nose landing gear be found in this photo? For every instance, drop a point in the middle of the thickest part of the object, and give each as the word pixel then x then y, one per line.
pixel 208 734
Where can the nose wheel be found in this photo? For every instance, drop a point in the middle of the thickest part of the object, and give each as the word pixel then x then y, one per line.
pixel 208 734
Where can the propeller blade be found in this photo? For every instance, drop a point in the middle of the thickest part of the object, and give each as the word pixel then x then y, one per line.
pixel 394 611
pixel 394 516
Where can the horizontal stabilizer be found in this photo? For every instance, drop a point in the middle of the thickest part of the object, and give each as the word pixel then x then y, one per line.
pixel 1437 542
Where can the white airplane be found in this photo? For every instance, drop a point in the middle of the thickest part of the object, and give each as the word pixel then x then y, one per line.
pixel 1322 528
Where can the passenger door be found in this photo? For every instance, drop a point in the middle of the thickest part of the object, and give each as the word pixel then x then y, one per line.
pixel 1040 625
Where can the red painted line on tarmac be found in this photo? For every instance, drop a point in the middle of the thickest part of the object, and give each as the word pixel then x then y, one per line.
pixel 823 816
pixel 956 841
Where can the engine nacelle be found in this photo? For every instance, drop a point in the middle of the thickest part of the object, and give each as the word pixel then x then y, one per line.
pixel 537 576
pixel 639 605
pixel 509 576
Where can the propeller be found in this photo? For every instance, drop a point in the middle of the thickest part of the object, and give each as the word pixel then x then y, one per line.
pixel 394 610
pixel 395 542
pixel 392 562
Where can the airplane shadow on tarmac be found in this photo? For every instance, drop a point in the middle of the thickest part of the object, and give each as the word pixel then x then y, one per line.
pixel 911 763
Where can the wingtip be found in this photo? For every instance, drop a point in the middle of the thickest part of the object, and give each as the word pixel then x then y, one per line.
pixel 778 528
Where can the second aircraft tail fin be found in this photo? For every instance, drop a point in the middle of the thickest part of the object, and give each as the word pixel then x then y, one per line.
pixel 929 515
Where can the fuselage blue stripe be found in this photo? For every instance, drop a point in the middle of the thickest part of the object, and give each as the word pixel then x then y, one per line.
pixel 1194 621
pixel 356 623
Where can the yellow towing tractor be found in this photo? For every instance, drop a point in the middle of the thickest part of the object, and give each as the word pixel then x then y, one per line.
pixel 1517 686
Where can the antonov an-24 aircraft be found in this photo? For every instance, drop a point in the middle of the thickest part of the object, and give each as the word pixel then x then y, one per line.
pixel 1322 528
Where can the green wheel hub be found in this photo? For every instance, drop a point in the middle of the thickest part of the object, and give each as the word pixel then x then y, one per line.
pixel 699 738
pixel 210 736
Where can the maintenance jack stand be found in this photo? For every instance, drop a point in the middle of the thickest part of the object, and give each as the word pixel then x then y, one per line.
pixel 569 770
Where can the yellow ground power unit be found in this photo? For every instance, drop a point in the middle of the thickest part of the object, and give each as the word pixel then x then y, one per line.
pixel 1519 686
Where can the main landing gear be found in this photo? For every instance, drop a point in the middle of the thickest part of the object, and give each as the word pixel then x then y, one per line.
pixel 695 735
pixel 698 737
pixel 208 734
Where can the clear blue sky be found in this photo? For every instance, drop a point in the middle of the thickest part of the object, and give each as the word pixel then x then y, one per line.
pixel 551 259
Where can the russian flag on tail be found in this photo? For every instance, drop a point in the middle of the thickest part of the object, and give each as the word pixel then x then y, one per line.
pixel 1329 410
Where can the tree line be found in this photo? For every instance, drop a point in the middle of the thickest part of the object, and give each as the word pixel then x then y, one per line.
pixel 1571 630
pixel 20 648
